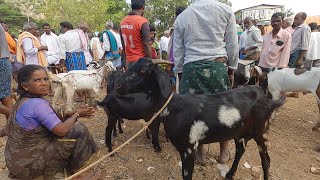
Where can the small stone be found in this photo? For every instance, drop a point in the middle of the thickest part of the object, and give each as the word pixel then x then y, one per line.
pixel 315 170
pixel 300 150
pixel 140 160
pixel 223 167
pixel 167 157
pixel 180 163
pixel 223 174
pixel 247 165
pixel 59 176
pixel 101 142
pixel 151 169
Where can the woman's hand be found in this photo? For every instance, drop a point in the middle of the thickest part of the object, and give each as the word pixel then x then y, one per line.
pixel 85 111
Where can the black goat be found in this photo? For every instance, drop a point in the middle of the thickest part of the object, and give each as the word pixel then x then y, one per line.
pixel 189 120
pixel 132 106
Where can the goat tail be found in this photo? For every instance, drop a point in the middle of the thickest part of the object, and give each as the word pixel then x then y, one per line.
pixel 277 103
pixel 54 78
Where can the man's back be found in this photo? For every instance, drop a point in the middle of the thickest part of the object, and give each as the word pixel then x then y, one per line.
pixel 71 41
pixel 131 33
pixel 213 33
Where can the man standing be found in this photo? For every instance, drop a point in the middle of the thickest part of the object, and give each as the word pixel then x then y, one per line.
pixel 300 41
pixel 71 46
pixel 276 45
pixel 111 43
pixel 205 49
pixel 5 78
pixel 313 55
pixel 51 40
pixel 253 40
pixel 164 43
pixel 85 41
pixel 287 24
pixel 29 49
pixel 135 34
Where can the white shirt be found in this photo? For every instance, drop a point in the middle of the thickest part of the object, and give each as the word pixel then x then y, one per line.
pixel 314 46
pixel 253 37
pixel 70 42
pixel 242 41
pixel 52 42
pixel 30 51
pixel 164 42
pixel 96 41
pixel 106 42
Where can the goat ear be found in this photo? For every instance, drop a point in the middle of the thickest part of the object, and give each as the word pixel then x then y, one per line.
pixel 163 80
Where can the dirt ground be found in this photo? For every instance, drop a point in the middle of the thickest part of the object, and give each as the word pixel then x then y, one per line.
pixel 292 148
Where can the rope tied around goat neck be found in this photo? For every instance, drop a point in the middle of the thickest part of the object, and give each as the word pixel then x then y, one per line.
pixel 122 145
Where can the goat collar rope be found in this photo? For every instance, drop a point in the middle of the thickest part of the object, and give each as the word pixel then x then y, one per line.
pixel 122 145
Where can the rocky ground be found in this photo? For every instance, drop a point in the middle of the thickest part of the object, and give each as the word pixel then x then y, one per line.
pixel 292 148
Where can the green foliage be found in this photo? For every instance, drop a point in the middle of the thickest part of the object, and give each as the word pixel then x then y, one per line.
pixel 12 17
pixel 93 12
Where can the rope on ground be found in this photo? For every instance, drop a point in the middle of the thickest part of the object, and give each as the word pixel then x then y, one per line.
pixel 122 145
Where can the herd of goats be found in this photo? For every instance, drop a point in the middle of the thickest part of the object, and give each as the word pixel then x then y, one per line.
pixel 189 120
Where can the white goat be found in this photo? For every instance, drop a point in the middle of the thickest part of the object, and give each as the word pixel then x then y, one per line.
pixel 284 80
pixel 81 80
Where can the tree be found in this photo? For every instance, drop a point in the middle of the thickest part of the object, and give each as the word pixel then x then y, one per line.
pixel 289 12
pixel 162 12
pixel 93 12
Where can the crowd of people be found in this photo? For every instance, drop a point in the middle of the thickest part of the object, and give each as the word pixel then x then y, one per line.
pixel 202 44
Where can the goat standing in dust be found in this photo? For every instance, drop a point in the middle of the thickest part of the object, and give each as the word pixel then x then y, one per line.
pixel 191 120
pixel 285 80
pixel 81 81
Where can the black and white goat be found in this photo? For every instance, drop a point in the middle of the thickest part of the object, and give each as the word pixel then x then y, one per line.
pixel 189 120
pixel 131 106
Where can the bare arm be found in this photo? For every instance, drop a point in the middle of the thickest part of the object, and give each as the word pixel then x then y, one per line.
pixel 145 35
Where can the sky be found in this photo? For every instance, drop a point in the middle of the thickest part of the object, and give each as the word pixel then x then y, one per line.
pixel 311 7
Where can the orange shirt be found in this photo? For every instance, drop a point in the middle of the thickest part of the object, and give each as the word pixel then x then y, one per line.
pixel 131 34
pixel 11 44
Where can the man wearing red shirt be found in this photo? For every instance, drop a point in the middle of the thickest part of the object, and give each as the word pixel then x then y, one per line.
pixel 135 34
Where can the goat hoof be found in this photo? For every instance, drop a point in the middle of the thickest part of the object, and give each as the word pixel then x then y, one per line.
pixel 229 177
pixel 157 149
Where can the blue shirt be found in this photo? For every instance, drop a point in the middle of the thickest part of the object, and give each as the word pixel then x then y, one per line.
pixel 36 112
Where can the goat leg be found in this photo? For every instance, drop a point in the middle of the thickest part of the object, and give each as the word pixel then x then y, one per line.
pixel 187 159
pixel 120 120
pixel 265 159
pixel 108 135
pixel 154 127
pixel 239 152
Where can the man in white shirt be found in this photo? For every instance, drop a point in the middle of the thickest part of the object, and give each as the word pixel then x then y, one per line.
pixel 71 46
pixel 50 40
pixel 253 40
pixel 164 42
pixel 111 44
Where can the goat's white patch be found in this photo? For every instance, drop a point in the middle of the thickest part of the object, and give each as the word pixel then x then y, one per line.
pixel 189 151
pixel 197 132
pixel 228 115
pixel 192 91
pixel 206 73
pixel 185 173
pixel 164 113
pixel 185 155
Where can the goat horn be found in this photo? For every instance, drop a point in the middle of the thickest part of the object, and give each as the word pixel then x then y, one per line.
pixel 161 61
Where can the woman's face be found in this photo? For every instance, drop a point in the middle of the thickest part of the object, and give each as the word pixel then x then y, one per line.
pixel 38 83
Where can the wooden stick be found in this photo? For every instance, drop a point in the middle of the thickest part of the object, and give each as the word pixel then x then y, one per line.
pixel 122 145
